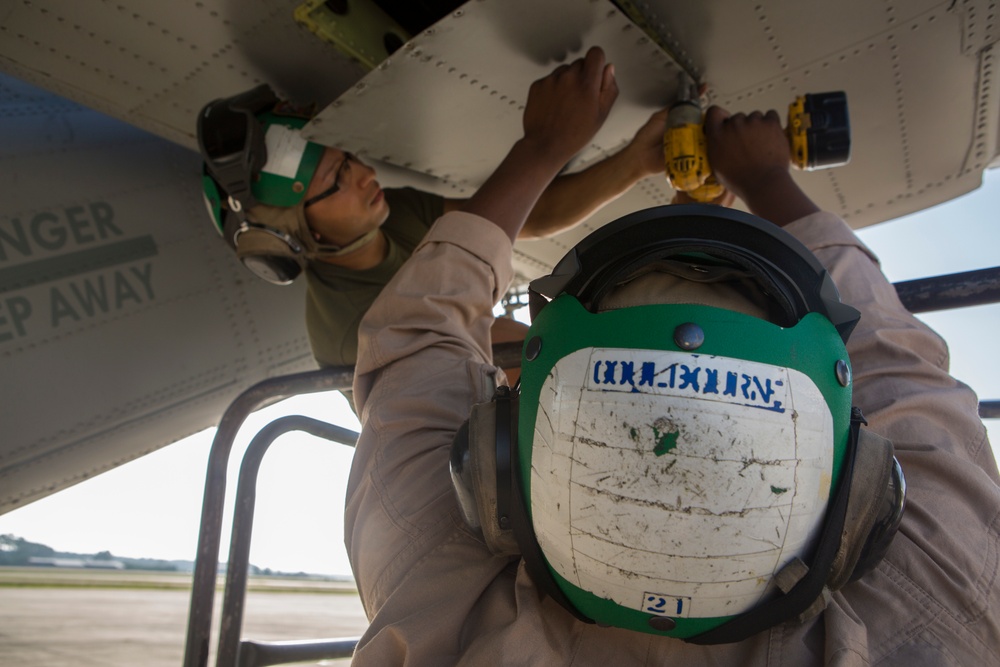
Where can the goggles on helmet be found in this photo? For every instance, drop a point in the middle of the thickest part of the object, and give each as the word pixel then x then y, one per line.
pixel 254 153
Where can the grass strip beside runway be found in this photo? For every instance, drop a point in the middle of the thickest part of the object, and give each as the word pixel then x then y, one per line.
pixel 50 577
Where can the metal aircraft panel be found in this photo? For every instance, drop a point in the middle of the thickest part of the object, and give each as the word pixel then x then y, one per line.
pixel 896 64
pixel 462 112
pixel 155 64
pixel 125 322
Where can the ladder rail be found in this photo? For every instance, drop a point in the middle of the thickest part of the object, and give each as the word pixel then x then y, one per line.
pixel 954 290
pixel 262 654
pixel 261 394
pixel 237 570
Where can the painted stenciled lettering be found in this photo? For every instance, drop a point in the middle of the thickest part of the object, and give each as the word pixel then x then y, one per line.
pixel 14 311
pixel 48 231
pixel 666 605
pixel 101 294
pixel 758 385
pixel 89 265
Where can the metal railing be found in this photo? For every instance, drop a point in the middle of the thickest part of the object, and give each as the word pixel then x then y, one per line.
pixel 956 290
pixel 230 650
pixel 263 393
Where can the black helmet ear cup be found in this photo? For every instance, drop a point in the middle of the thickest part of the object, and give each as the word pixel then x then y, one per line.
pixel 460 466
pixel 273 268
pixel 270 254
pixel 482 484
pixel 886 525
pixel 874 508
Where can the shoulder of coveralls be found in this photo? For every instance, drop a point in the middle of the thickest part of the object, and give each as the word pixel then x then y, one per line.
pixel 479 237
pixel 826 230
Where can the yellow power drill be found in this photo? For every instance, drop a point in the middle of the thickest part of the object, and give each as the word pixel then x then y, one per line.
pixel 819 134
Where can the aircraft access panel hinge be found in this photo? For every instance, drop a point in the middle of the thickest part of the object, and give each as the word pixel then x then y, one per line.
pixel 642 16
pixel 359 29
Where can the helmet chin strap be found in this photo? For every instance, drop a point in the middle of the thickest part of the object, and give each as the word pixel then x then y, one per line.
pixel 320 251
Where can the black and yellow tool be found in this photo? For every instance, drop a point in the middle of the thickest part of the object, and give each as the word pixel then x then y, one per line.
pixel 819 134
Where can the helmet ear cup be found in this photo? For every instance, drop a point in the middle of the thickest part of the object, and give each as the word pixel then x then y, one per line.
pixel 271 255
pixel 462 478
pixel 274 269
pixel 484 470
pixel 875 504
pixel 480 481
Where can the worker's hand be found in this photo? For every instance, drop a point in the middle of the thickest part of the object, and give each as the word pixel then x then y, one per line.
pixel 645 151
pixel 745 151
pixel 563 113
pixel 750 157
pixel 566 109
pixel 727 199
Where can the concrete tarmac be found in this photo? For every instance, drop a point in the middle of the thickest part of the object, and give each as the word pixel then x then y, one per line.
pixel 110 627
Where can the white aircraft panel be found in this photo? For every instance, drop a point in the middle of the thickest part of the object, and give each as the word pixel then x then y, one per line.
pixel 923 105
pixel 442 105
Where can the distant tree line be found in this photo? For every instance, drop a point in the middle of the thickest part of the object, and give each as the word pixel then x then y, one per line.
pixel 17 551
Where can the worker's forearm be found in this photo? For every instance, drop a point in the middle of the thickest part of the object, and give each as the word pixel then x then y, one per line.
pixel 778 198
pixel 572 198
pixel 563 112
pixel 508 196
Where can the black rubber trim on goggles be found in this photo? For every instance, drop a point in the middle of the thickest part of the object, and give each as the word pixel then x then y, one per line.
pixel 785 268
pixel 231 141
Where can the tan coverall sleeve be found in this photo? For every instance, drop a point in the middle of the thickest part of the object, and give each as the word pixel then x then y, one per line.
pixel 424 359
pixel 935 599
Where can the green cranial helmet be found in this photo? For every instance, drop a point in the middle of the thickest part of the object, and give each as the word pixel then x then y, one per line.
pixel 254 153
pixel 682 456
pixel 256 174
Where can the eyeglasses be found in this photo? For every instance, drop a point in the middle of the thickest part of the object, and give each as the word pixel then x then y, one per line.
pixel 345 163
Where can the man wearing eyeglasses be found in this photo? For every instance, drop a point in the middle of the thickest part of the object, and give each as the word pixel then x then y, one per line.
pixel 344 203
pixel 330 216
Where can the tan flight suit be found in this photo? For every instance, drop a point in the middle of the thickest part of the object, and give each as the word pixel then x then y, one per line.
pixel 435 595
